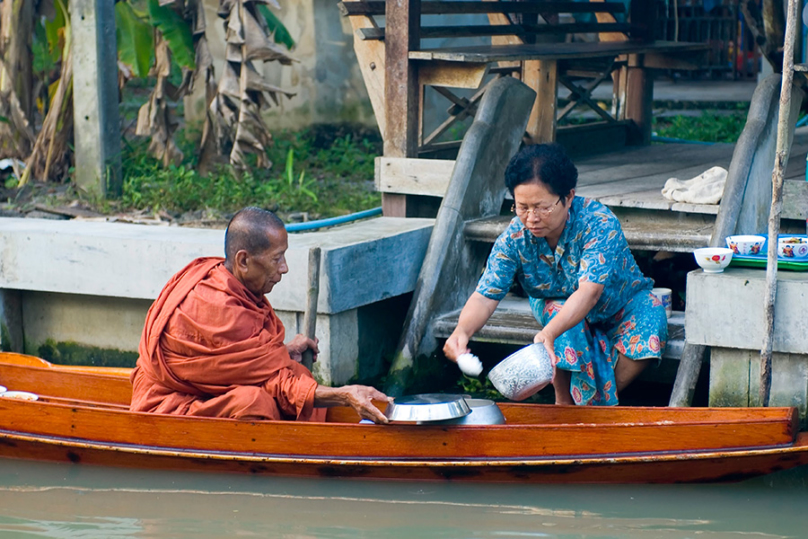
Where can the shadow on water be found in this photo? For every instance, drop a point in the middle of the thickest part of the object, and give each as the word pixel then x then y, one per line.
pixel 66 501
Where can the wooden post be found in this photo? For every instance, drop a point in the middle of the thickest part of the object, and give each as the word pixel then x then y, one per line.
pixel 97 130
pixel 639 100
pixel 541 76
pixel 780 162
pixel 312 294
pixel 687 375
pixel 401 89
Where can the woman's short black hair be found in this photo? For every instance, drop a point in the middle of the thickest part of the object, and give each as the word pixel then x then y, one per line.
pixel 547 163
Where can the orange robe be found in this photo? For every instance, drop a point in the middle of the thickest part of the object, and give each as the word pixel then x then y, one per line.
pixel 212 348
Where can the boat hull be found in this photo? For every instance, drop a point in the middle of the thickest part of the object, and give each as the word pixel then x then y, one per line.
pixel 82 417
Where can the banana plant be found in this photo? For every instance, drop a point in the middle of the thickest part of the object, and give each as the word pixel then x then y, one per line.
pixel 235 117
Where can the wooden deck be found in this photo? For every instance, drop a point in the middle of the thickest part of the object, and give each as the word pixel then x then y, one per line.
pixel 630 182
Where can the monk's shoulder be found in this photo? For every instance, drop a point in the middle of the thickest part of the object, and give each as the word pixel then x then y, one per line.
pixel 209 314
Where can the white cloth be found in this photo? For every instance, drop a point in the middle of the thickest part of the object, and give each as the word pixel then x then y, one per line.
pixel 470 364
pixel 706 188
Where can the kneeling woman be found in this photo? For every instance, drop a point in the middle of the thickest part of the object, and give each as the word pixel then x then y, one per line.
pixel 601 324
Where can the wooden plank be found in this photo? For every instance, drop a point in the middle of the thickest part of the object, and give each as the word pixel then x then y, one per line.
pixel 551 51
pixel 541 76
pixel 443 31
pixel 452 74
pixel 371 58
pixel 682 61
pixel 413 176
pixel 386 442
pixel 450 7
pixel 402 89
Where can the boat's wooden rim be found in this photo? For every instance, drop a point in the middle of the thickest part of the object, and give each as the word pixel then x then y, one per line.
pixel 800 446
pixel 97 406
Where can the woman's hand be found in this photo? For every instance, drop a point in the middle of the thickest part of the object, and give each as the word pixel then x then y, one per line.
pixel 456 345
pixel 299 344
pixel 548 340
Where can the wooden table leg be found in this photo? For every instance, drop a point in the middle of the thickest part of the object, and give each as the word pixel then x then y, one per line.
pixel 541 76
pixel 639 100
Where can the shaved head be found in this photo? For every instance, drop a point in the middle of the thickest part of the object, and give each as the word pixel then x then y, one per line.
pixel 248 231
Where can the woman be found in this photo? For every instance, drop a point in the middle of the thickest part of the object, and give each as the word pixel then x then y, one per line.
pixel 600 322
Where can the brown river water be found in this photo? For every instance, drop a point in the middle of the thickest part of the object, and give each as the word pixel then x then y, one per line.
pixel 71 501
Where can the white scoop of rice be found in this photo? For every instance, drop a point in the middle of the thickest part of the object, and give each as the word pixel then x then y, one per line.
pixel 470 364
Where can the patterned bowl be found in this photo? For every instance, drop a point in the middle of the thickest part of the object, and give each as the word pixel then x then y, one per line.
pixel 746 244
pixel 713 259
pixel 523 373
pixel 792 247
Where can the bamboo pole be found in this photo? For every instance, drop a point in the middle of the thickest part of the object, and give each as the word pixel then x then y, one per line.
pixel 780 162
pixel 313 293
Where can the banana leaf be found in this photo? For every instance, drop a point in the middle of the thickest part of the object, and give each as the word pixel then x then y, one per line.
pixel 135 39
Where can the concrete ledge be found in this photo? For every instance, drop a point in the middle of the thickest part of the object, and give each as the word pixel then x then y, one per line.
pixel 726 310
pixel 361 263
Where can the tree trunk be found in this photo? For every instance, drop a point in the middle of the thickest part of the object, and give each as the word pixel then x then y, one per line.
pixel 16 78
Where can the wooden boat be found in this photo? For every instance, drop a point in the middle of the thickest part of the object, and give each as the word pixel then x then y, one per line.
pixel 82 417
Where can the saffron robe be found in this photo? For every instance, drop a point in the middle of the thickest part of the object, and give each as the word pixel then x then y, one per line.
pixel 212 348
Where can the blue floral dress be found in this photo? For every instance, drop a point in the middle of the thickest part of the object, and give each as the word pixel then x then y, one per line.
pixel 627 318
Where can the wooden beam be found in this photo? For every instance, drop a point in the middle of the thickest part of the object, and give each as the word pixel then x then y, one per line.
pixel 447 8
pixel 370 55
pixel 431 32
pixel 639 100
pixel 452 74
pixel 401 94
pixel 541 76
pixel 413 176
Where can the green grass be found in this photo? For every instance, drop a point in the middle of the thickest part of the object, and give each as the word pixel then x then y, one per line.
pixel 711 126
pixel 323 170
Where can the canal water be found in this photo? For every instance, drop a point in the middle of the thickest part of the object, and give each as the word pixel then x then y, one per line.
pixel 71 501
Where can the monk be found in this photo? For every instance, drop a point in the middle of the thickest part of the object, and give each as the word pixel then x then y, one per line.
pixel 212 345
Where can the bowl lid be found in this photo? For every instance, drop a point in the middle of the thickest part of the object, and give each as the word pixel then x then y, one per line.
pixel 427 407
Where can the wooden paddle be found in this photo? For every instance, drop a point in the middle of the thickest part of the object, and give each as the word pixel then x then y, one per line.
pixel 310 316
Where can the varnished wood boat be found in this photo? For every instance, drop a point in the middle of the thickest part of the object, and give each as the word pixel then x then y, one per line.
pixel 82 417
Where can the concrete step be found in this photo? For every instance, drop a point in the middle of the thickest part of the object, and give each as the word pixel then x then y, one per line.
pixel 648 230
pixel 513 323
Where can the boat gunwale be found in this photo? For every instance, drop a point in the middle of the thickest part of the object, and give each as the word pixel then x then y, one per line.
pixel 104 407
pixel 799 446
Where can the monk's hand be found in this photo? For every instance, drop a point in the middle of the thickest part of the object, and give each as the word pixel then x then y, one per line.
pixel 299 344
pixel 549 342
pixel 456 345
pixel 361 398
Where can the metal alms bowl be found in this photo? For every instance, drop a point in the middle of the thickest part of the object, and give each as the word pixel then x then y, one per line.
pixel 483 412
pixel 427 407
pixel 523 373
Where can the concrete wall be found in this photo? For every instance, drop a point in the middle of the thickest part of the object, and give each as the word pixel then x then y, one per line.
pixel 78 292
pixel 725 312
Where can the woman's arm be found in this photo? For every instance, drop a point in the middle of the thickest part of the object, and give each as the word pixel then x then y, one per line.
pixel 475 314
pixel 574 310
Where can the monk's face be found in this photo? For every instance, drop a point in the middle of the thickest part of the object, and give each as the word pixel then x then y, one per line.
pixel 261 272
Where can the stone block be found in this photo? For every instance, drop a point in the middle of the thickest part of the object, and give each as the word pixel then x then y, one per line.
pixel 726 310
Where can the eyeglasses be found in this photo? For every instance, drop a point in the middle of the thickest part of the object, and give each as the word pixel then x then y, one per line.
pixel 537 211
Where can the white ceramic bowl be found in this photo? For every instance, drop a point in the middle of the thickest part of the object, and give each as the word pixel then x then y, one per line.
pixel 713 259
pixel 523 373
pixel 792 247
pixel 746 244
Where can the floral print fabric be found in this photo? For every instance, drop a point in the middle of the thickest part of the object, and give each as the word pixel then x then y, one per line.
pixel 592 248
pixel 590 351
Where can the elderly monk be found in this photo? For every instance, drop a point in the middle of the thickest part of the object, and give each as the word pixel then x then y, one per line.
pixel 212 345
